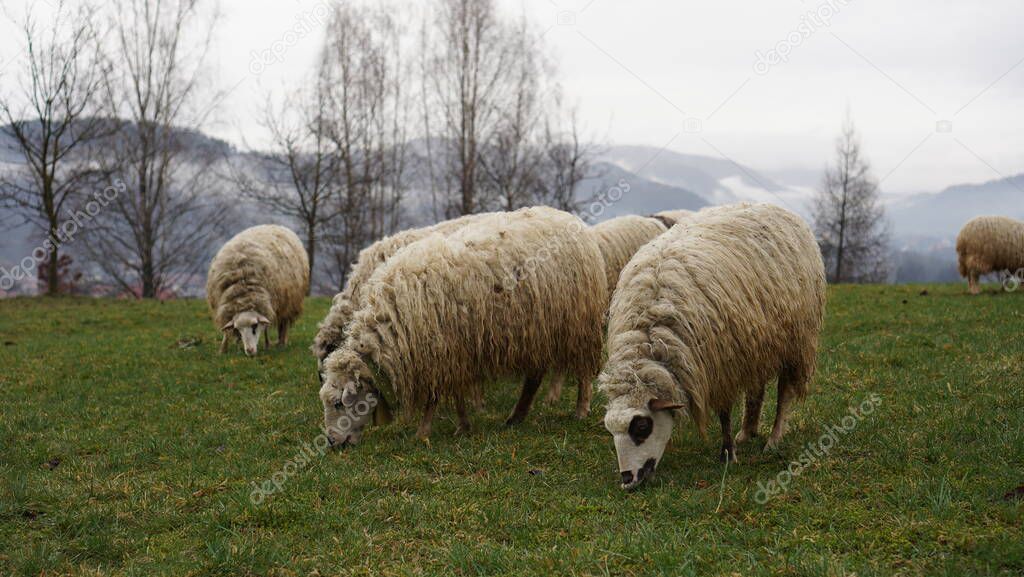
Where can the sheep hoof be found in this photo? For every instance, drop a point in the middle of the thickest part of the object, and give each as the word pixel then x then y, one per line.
pixel 514 420
pixel 772 445
pixel 729 454
pixel 582 414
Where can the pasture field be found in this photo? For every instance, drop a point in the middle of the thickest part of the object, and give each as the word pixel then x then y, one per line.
pixel 128 446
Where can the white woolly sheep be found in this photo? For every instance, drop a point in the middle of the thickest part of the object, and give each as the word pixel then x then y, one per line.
pixel 619 239
pixel 712 309
pixel 331 331
pixel 671 217
pixel 989 244
pixel 258 278
pixel 512 293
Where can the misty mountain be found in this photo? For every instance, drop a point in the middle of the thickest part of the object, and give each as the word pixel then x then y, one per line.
pixel 942 214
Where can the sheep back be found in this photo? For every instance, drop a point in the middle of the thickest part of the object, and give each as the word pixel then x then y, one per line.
pixel 264 269
pixel 716 306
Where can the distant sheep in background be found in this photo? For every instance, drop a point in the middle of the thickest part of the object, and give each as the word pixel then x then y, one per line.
pixel 989 244
pixel 512 293
pixel 709 311
pixel 672 217
pixel 331 331
pixel 258 278
pixel 620 238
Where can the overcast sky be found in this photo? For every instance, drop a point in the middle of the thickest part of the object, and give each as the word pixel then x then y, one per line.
pixel 688 75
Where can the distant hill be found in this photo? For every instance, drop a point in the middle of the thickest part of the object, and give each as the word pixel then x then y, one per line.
pixel 943 214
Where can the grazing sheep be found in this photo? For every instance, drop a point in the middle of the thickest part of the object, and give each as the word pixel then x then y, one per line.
pixel 331 331
pixel 670 217
pixel 989 244
pixel 708 311
pixel 511 293
pixel 258 278
pixel 618 239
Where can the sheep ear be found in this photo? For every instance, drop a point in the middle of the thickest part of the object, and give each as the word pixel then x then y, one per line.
pixel 228 327
pixel 262 320
pixel 663 405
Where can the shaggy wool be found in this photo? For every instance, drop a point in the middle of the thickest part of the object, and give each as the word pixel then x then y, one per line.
pixel 620 238
pixel 989 244
pixel 263 269
pixel 331 331
pixel 512 293
pixel 716 307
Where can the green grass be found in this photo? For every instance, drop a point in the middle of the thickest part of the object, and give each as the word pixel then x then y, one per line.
pixel 123 454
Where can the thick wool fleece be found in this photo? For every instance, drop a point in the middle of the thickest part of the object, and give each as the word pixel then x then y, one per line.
pixel 620 238
pixel 715 307
pixel 990 244
pixel 510 294
pixel 263 269
pixel 331 331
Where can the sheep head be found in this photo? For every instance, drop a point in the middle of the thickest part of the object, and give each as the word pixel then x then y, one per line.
pixel 248 326
pixel 641 431
pixel 348 396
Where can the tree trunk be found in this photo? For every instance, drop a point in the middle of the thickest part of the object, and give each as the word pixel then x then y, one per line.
pixel 52 271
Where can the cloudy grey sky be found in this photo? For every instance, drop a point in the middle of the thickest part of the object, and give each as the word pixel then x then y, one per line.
pixel 936 87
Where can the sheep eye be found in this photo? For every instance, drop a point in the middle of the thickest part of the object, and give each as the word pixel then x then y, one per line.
pixel 640 428
pixel 337 405
pixel 254 329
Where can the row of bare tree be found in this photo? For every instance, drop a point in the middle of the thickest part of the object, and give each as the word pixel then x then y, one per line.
pixel 455 96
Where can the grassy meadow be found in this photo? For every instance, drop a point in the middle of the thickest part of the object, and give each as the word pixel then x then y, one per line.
pixel 128 446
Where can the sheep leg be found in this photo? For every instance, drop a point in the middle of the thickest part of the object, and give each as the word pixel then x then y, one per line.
pixel 583 394
pixel 282 335
pixel 728 448
pixel 266 337
pixel 530 386
pixel 460 410
pixel 786 395
pixel 423 431
pixel 972 283
pixel 555 390
pixel 224 344
pixel 751 414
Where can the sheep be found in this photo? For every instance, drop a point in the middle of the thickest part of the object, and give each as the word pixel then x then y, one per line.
pixel 258 278
pixel 670 217
pixel 712 309
pixel 618 238
pixel 989 244
pixel 512 293
pixel 331 331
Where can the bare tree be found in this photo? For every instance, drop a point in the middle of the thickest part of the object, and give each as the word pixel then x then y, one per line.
pixel 568 161
pixel 511 160
pixel 54 125
pixel 464 77
pixel 363 67
pixel 297 179
pixel 162 226
pixel 849 220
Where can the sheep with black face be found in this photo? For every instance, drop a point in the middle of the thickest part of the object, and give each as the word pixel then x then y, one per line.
pixel 705 313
